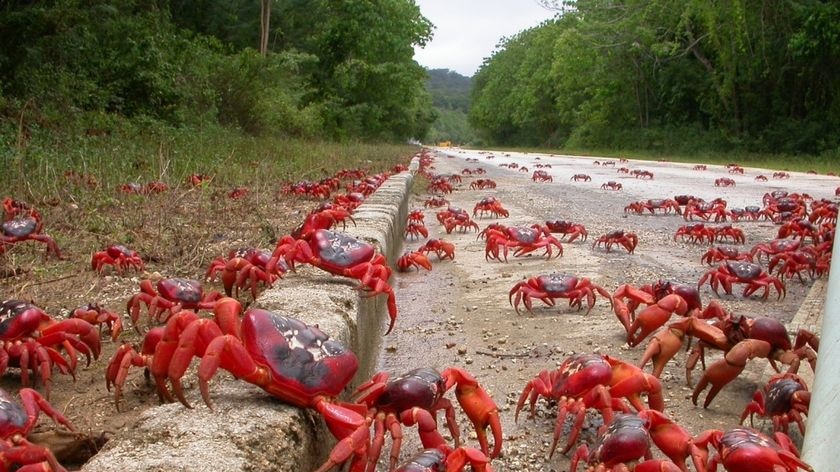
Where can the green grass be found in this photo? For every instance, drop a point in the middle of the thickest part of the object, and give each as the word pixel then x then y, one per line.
pixel 35 165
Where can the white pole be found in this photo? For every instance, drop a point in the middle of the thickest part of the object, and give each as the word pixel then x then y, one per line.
pixel 823 426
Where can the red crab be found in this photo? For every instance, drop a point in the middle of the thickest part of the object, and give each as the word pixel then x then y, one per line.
pixel 33 341
pixel 728 231
pixel 724 182
pixel 325 216
pixel 666 205
pixel 781 175
pixel 490 205
pixel 411 259
pixel 823 212
pixel 748 338
pixel 443 459
pixel 524 239
pixel 627 439
pixel 732 272
pixel 26 228
pixel 168 297
pixel 611 185
pixel 750 213
pixel 442 249
pixel 579 177
pixel 801 229
pixel 155 187
pixel 245 268
pixel 774 248
pixel 439 185
pixel 14 208
pixel 126 356
pixel 552 286
pixel 642 174
pixel 627 240
pixel 541 176
pixel 482 184
pixel 340 254
pixel 696 233
pixel 198 180
pixel 415 229
pixel 436 202
pixel 416 215
pixel 239 192
pixel 119 257
pixel 416 397
pixel 661 301
pixel 795 263
pixel 761 178
pixel 567 228
pixel 748 450
pixel 96 315
pixel 724 253
pixel 590 381
pixel 294 362
pixel 458 220
pixel 706 210
pixel 131 188
pixel 700 167
pixel 16 422
pixel 784 399
pixel 349 201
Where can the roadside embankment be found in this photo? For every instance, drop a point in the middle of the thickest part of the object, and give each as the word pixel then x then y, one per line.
pixel 248 430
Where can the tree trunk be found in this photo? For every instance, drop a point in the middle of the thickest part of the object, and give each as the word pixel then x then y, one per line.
pixel 265 16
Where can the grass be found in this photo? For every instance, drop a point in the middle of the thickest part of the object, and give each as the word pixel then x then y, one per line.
pixel 180 230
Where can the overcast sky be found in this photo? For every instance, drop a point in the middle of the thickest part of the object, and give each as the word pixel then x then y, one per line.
pixel 467 31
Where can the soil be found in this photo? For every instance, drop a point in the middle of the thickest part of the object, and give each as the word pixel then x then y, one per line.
pixel 458 314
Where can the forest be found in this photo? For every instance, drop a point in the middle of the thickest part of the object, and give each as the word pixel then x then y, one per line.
pixel 450 92
pixel 687 76
pixel 326 69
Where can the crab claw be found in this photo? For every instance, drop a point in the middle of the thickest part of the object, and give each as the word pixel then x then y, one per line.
pixel 668 341
pixel 727 369
pixel 654 316
pixel 673 440
pixel 479 407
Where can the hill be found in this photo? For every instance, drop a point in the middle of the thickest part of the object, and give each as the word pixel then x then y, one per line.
pixel 450 93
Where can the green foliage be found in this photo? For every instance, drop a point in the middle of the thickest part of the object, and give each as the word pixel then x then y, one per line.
pixel 449 89
pixel 451 125
pixel 261 95
pixel 450 92
pixel 336 68
pixel 720 75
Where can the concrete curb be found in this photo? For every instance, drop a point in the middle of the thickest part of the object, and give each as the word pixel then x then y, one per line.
pixel 248 430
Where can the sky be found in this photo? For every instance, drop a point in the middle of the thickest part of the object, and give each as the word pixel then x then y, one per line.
pixel 467 31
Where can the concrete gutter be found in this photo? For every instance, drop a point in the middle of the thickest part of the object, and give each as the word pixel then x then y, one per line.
pixel 248 430
pixel 822 428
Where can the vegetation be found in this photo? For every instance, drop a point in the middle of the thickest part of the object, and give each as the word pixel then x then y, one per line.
pixel 184 75
pixel 450 92
pixel 666 76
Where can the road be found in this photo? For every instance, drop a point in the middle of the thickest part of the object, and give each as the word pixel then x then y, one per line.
pixel 458 314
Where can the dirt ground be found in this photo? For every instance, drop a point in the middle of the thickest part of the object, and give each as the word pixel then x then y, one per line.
pixel 459 315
